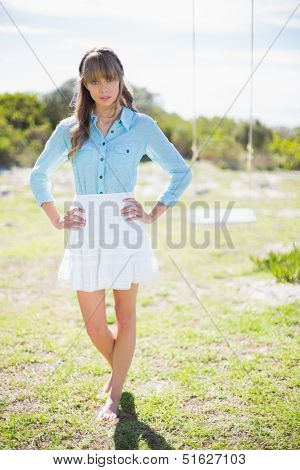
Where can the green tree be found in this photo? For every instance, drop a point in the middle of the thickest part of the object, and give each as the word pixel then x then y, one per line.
pixel 262 135
pixel 22 110
pixel 24 129
pixel 58 102
pixel 287 151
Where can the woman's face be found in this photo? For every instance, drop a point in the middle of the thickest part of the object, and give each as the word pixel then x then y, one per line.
pixel 101 88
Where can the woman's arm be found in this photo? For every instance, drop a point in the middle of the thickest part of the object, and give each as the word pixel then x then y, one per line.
pixel 68 221
pixel 53 155
pixel 51 211
pixel 157 211
pixel 162 151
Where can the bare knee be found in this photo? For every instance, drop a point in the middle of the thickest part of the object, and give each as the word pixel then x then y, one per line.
pixel 126 318
pixel 95 332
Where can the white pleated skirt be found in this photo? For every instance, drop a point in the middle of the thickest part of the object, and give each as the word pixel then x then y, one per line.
pixel 110 251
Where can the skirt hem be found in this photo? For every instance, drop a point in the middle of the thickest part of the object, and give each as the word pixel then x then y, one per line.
pixel 66 282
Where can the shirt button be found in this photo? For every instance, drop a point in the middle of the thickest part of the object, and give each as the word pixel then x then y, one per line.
pixel 103 143
pixel 101 159
pixel 112 132
pixel 101 192
pixel 127 151
pixel 101 177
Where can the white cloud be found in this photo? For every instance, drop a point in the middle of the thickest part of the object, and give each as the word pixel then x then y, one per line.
pixel 11 29
pixel 277 13
pixel 214 16
pixel 274 57
pixel 152 40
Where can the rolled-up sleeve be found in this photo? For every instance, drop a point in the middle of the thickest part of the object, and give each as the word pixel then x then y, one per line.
pixel 162 151
pixel 54 154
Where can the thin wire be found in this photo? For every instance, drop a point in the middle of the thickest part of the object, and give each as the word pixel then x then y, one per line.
pixel 247 81
pixel 72 342
pixel 194 96
pixel 250 130
pixel 84 326
pixel 64 97
pixel 70 345
pixel 195 157
pixel 213 321
pixel 88 130
pixel 33 52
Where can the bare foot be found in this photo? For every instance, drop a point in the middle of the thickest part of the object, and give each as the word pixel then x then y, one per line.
pixel 110 410
pixel 105 387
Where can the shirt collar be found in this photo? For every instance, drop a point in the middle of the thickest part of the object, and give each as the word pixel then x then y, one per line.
pixel 126 117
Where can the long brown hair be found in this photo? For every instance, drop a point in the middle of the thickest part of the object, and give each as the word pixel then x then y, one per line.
pixel 96 62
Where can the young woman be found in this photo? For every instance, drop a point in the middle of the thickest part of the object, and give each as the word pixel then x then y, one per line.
pixel 105 139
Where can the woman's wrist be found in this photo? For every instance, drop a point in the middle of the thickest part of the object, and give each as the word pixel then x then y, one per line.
pixel 57 222
pixel 157 211
pixel 51 211
pixel 149 218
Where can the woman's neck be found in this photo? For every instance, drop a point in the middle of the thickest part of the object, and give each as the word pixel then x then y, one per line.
pixel 103 115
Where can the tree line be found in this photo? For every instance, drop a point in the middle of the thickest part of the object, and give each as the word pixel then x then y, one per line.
pixel 28 119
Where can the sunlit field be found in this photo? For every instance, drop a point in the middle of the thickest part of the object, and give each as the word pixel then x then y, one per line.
pixel 217 350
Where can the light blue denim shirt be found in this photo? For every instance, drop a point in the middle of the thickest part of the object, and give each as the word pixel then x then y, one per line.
pixel 108 164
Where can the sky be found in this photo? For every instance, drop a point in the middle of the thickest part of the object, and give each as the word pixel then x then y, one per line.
pixel 154 39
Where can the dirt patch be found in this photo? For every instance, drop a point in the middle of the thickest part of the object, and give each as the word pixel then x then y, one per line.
pixel 27 405
pixel 211 403
pixel 155 386
pixel 256 294
pixel 27 374
pixel 278 247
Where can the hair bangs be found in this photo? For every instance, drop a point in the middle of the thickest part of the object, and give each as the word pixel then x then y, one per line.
pixel 96 67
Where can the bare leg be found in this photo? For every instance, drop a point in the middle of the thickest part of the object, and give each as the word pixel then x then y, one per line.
pixel 93 309
pixel 125 306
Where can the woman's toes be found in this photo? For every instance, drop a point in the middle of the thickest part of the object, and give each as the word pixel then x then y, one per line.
pixel 100 415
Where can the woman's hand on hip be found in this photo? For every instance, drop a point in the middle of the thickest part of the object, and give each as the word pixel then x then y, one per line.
pixel 135 211
pixel 70 220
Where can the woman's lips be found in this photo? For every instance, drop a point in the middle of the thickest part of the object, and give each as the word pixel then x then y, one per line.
pixel 105 98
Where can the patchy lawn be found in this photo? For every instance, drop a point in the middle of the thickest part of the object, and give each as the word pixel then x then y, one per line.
pixel 217 348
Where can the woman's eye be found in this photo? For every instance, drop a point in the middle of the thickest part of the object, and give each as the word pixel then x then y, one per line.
pixel 96 82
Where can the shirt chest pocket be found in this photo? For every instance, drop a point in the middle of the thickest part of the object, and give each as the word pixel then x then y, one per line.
pixel 125 150
pixel 121 161
pixel 86 155
pixel 123 156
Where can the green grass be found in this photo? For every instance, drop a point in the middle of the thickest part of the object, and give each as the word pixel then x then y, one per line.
pixel 212 368
pixel 284 266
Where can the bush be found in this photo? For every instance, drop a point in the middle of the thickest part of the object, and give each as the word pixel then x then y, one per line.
pixel 24 129
pixel 287 151
pixel 284 266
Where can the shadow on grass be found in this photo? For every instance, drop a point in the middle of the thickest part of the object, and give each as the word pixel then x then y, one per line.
pixel 129 430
